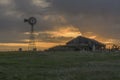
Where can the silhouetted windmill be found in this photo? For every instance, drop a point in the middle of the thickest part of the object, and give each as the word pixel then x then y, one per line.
pixel 32 41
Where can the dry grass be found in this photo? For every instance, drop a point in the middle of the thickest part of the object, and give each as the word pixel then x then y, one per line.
pixel 60 66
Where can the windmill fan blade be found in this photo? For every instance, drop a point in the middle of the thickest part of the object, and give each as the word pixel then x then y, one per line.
pixel 25 20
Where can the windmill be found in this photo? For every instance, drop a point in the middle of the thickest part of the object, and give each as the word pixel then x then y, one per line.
pixel 32 41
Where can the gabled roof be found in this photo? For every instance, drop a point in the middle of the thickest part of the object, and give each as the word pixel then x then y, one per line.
pixel 83 40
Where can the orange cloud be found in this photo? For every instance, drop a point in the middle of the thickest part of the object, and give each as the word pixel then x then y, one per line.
pixel 68 31
pixel 16 46
pixel 109 42
pixel 58 36
pixel 13 44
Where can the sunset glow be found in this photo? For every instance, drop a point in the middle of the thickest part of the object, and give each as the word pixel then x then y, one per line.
pixel 58 21
pixel 69 32
pixel 16 46
pixel 64 32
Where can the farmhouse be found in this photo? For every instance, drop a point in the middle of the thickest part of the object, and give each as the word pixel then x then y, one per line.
pixel 80 43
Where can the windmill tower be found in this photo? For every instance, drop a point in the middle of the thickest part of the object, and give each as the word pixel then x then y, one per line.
pixel 32 41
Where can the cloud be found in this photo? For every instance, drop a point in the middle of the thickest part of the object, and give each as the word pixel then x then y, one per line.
pixel 102 17
pixel 86 6
pixel 12 14
pixel 5 2
pixel 31 7
pixel 99 16
pixel 57 35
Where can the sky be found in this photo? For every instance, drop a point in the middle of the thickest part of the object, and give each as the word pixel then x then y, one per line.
pixel 58 21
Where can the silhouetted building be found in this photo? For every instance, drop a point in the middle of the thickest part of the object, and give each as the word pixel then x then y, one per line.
pixel 83 43
pixel 80 43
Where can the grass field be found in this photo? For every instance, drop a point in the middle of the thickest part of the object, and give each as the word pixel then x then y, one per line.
pixel 59 66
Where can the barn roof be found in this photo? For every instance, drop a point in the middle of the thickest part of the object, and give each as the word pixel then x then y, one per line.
pixel 83 40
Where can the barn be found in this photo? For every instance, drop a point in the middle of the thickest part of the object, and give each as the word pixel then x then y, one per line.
pixel 80 43
pixel 83 43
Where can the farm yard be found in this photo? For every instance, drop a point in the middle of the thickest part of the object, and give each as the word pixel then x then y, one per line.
pixel 60 66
